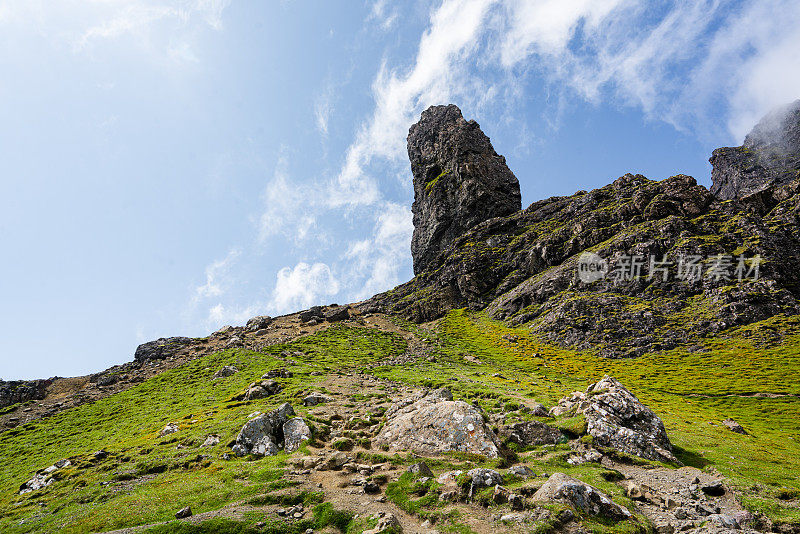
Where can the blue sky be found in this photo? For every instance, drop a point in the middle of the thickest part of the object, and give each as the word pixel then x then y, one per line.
pixel 169 167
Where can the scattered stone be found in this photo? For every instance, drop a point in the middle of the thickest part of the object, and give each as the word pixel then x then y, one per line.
pixel 257 323
pixel 562 488
pixel 278 373
pixel 725 521
pixel 228 370
pixel 211 440
pixel 516 502
pixel 315 312
pixel 260 390
pixel 615 418
pixel 100 455
pixel 334 461
pixel 183 512
pixel 733 426
pixel 295 432
pixel 171 428
pixel 387 523
pixel 532 433
pixel 315 398
pixel 435 424
pixel 337 313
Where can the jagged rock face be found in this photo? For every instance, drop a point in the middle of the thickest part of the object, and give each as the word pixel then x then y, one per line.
pixel 161 348
pixel 459 181
pixel 770 156
pixel 22 391
pixel 615 418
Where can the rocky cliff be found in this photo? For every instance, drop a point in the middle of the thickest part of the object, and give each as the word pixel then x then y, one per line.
pixel 459 181
pixel 523 267
pixel 769 157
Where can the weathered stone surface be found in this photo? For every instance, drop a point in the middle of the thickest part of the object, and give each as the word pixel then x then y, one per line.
pixel 43 478
pixel 562 488
pixel 770 156
pixel 387 523
pixel 260 390
pixel 257 323
pixel 162 348
pixel 459 181
pixel 183 513
pixel 616 419
pixel 435 424
pixel 336 313
pixel 295 432
pixel 532 433
pixel 733 426
pixel 22 391
pixel 170 428
pixel 262 434
pixel 420 469
pixel 315 312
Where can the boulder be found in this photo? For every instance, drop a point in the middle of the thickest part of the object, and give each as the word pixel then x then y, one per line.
pixel 459 182
pixel 336 313
pixel 532 433
pixel 435 424
pixel 262 434
pixel 183 513
pixel 162 348
pixel 295 432
pixel 225 371
pixel 387 524
pixel 278 373
pixel 43 478
pixel 260 390
pixel 420 469
pixel 565 489
pixel 733 426
pixel 521 471
pixel 211 440
pixel 257 323
pixel 616 419
pixel 315 312
pixel 315 398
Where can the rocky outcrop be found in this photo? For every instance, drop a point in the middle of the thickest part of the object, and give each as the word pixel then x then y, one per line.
pixel 22 391
pixel 588 499
pixel 435 424
pixel 615 418
pixel 43 478
pixel 523 267
pixel 459 181
pixel 769 157
pixel 295 432
pixel 162 348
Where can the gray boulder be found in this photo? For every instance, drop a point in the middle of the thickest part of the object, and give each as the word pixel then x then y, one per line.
pixel 315 312
pixel 228 370
pixel 295 432
pixel 435 424
pixel 336 313
pixel 565 489
pixel 22 390
pixel 257 323
pixel 261 435
pixel 459 182
pixel 43 478
pixel 315 398
pixel 616 419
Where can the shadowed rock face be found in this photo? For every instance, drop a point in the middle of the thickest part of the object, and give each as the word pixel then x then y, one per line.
pixel 459 181
pixel 770 156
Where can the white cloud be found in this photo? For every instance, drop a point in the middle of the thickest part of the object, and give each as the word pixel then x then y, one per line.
pixel 374 264
pixel 216 277
pixel 302 286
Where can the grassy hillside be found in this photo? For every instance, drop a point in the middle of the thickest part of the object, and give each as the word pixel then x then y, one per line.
pixel 748 374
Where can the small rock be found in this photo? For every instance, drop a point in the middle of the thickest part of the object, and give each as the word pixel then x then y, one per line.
pixel 516 502
pixel 183 512
pixel 315 398
pixel 100 455
pixel 228 370
pixel 171 428
pixel 562 488
pixel 733 426
pixel 371 488
pixel 211 440
pixel 420 469
pixel 295 432
pixel 724 521
pixel 257 323
pixel 521 471
pixel 386 522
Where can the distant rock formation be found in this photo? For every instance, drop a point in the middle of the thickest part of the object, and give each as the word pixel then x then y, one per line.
pixel 459 181
pixel 770 156
pixel 22 391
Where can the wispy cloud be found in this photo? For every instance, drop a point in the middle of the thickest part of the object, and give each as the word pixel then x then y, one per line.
pixel 301 286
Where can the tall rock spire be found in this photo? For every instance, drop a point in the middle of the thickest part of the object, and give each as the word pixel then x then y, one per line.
pixel 459 182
